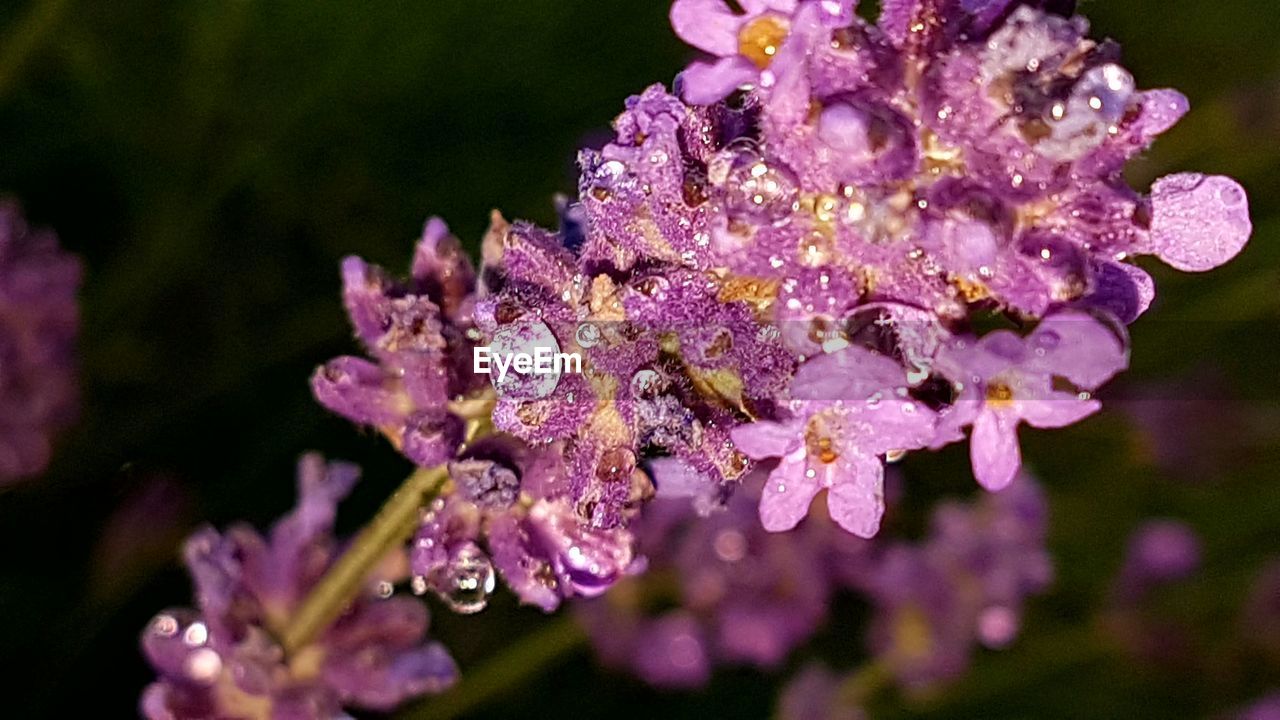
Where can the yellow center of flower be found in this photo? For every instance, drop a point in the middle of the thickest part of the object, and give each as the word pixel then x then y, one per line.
pixel 999 393
pixel 818 443
pixel 912 634
pixel 760 39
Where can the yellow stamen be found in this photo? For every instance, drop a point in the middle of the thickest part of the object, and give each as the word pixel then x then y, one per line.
pixel 760 39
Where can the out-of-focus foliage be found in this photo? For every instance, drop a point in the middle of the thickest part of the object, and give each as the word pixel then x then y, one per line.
pixel 213 160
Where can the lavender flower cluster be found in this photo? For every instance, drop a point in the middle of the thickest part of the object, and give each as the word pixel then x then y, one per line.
pixel 786 268
pixel 839 241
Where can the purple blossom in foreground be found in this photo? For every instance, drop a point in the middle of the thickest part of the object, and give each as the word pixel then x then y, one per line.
pixel 782 272
pixel 221 660
pixel 837 445
pixel 1007 380
pixel 506 513
pixel 39 320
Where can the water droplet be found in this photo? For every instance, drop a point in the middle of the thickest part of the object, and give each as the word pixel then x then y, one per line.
pixel 645 382
pixel 197 634
pixel 203 666
pixel 588 335
pixel 384 589
pixel 615 465
pixel 653 286
pixel 418 585
pixel 1044 341
pixel 164 626
pixel 468 581
pixel 753 190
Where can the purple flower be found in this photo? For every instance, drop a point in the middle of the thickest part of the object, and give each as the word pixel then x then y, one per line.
pixel 221 659
pixel 746 44
pixel 1159 552
pixel 837 445
pixel 1008 379
pixel 740 595
pixel 39 320
pixel 814 693
pixel 419 333
pixel 965 584
pixel 509 513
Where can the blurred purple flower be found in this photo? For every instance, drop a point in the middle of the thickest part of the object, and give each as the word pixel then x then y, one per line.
pixel 814 694
pixel 1159 552
pixel 222 659
pixel 740 595
pixel 965 584
pixel 39 320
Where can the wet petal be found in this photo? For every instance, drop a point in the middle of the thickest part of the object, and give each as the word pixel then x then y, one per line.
pixel 854 373
pixel 1078 347
pixel 856 499
pixel 1060 409
pixel 787 494
pixel 1198 222
pixel 993 448
pixel 764 439
pixel 704 83
pixel 708 25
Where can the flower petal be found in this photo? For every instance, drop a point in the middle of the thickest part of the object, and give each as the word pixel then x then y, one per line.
pixel 854 373
pixel 1198 222
pixel 856 499
pixel 1076 346
pixel 764 439
pixel 993 449
pixel 1060 409
pixel 708 25
pixel 704 83
pixel 787 494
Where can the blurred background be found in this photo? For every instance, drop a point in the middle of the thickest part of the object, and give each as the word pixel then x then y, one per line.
pixel 212 161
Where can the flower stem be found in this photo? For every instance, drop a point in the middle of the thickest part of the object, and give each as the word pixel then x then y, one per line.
pixel 519 662
pixel 390 527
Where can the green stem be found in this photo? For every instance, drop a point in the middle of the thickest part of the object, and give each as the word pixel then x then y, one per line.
pixel 392 526
pixel 519 662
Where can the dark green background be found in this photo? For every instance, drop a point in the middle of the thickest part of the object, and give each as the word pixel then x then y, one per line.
pixel 213 160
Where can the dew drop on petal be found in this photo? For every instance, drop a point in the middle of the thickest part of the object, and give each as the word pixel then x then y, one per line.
pixel 468 581
pixel 587 335
pixel 203 666
pixel 645 382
